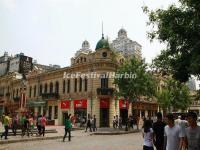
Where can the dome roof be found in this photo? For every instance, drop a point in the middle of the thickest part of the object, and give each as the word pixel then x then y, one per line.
pixel 85 45
pixel 122 32
pixel 103 43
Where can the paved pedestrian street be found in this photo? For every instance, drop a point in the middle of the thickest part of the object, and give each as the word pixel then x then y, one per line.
pixel 82 141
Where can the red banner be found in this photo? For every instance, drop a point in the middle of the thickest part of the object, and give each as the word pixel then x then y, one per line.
pixel 123 104
pixel 65 104
pixel 104 103
pixel 80 103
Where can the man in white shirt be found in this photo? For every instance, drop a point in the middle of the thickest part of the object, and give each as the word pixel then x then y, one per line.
pixel 173 136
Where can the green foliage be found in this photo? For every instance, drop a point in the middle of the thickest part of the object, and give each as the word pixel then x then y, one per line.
pixel 143 82
pixel 179 28
pixel 197 96
pixel 175 95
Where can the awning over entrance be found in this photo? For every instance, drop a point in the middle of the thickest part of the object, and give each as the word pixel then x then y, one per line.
pixel 36 103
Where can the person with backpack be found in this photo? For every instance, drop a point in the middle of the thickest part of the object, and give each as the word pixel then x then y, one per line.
pixel 68 127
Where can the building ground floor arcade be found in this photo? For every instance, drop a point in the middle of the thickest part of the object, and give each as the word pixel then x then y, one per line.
pixel 103 108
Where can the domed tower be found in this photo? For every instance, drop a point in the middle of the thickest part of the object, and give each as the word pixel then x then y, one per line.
pixel 122 33
pixel 85 45
pixel 85 48
pixel 103 43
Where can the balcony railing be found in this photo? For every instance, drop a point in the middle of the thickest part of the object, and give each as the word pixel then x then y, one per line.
pixel 50 95
pixel 105 91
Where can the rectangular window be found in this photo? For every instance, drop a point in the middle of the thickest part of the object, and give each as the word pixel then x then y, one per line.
pixel 104 82
pixel 56 112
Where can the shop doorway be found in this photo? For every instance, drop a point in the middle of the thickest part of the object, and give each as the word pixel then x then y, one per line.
pixel 104 117
pixel 124 115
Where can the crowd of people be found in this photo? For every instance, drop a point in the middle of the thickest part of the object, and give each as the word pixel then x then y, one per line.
pixel 130 122
pixel 168 133
pixel 26 122
pixel 172 133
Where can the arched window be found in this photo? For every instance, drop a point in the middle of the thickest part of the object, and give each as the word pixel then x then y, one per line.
pixel 51 87
pixel 45 88
pixel 63 86
pixel 57 87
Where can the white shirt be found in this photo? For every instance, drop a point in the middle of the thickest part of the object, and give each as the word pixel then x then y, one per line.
pixel 148 138
pixel 173 137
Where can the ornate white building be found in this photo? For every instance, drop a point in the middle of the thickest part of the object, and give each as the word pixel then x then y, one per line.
pixel 126 46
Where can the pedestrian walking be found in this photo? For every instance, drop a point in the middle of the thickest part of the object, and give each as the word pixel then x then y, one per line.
pixel 158 132
pixel 89 123
pixel 148 135
pixel 94 123
pixel 68 127
pixel 14 124
pixel 114 122
pixel 5 121
pixel 173 137
pixel 192 139
pixel 39 124
pixel 43 125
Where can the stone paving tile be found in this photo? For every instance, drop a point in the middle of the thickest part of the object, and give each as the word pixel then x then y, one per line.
pixel 132 141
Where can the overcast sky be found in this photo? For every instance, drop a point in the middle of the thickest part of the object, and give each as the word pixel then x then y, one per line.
pixel 51 31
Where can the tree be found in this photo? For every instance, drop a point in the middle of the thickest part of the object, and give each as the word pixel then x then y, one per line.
pixel 179 28
pixel 142 82
pixel 174 96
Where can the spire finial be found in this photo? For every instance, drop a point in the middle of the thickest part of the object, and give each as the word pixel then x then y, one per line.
pixel 102 30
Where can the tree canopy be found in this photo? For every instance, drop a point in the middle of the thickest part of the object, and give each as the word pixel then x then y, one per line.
pixel 174 96
pixel 178 27
pixel 142 83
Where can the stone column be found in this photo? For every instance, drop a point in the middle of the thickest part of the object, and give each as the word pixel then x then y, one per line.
pixel 130 109
pixel 111 111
